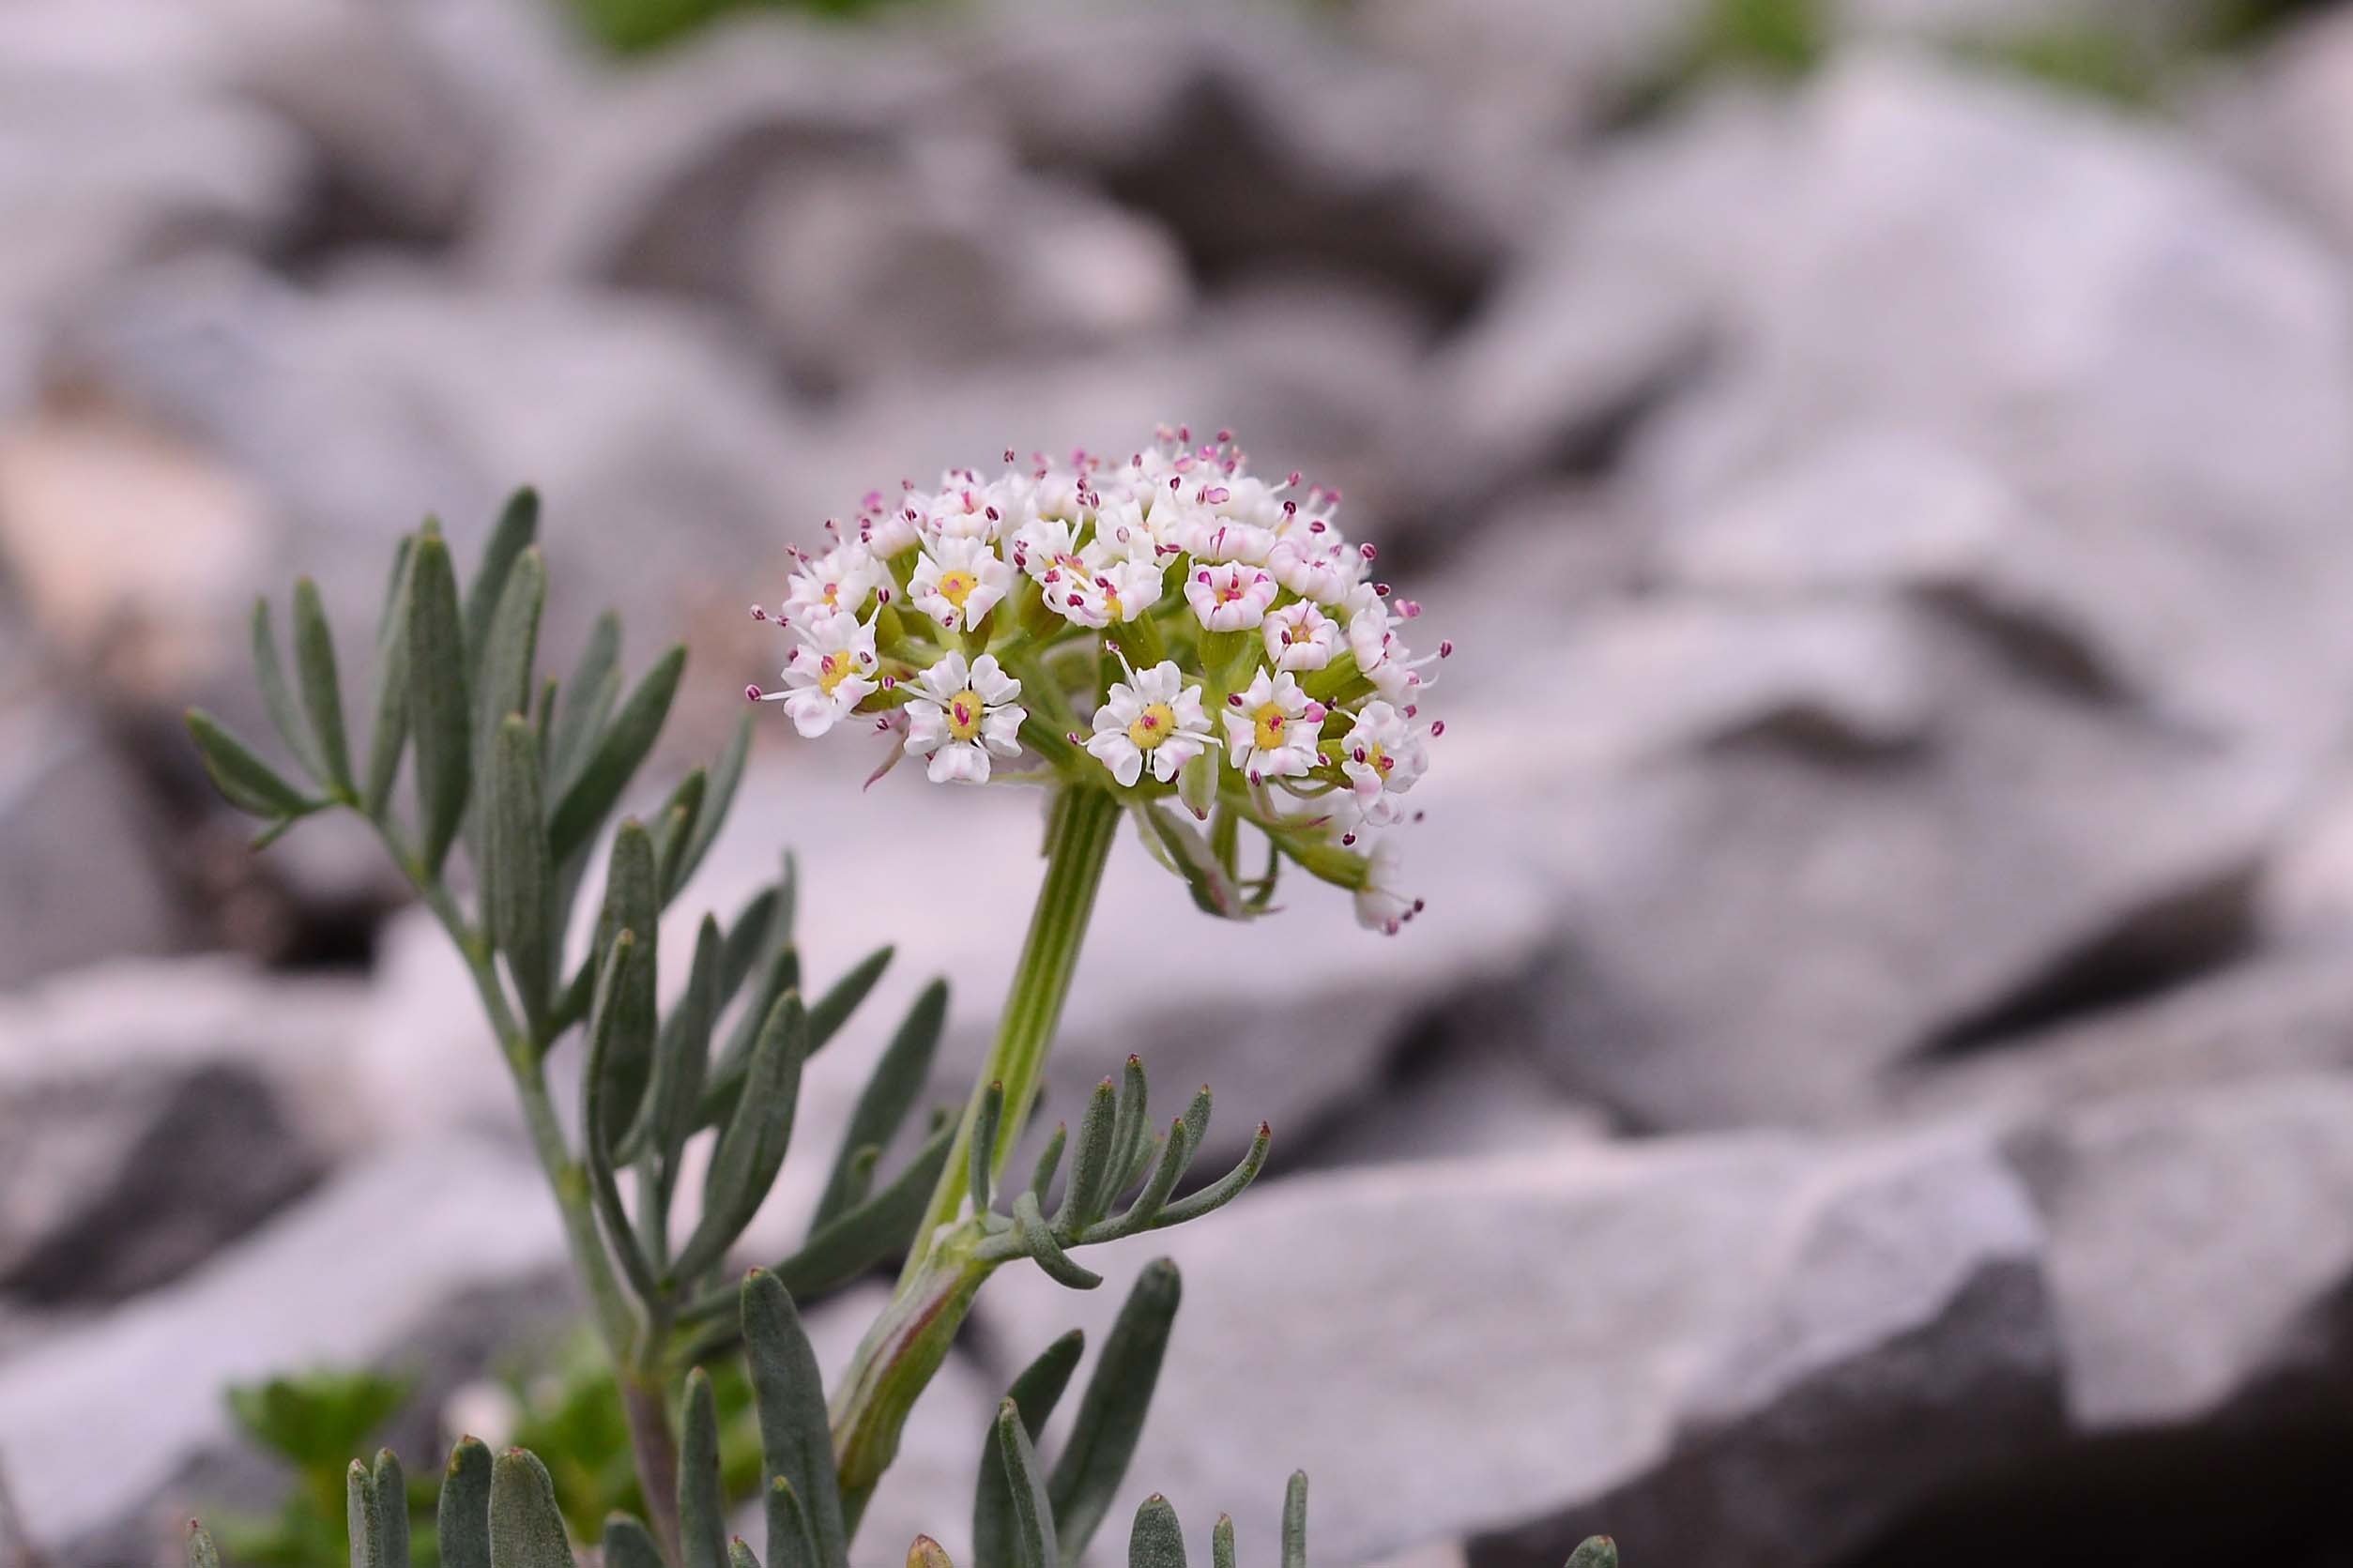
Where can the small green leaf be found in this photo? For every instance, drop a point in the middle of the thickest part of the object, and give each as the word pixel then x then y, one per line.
pixel 1034 1395
pixel 519 878
pixel 1594 1551
pixel 739 1555
pixel 250 784
pixel 629 1545
pixel 616 756
pixel 1157 1539
pixel 790 1399
pixel 1127 1125
pixel 1111 1413
pixel 360 1518
pixel 833 1010
pixel 725 777
pixel 1182 847
pixel 890 1094
pixel 1036 1238
pixel 928 1553
pixel 992 1106
pixel 1031 1515
pixel 1221 1542
pixel 790 1542
pixel 278 697
pixel 589 696
pixel 683 1055
pixel 752 1147
pixel 1225 1188
pixel 503 668
pixel 388 703
pixel 390 1502
pixel 633 902
pixel 702 1511
pixel 674 826
pixel 440 716
pixel 781 974
pixel 597 1075
pixel 1088 1192
pixel 510 538
pixel 202 1553
pixel 747 944
pixel 322 685
pixel 463 1517
pixel 527 1530
pixel 1295 1521
pixel 1049 1158
pixel 1175 1155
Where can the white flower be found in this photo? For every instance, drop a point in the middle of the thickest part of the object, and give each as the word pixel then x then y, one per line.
pixel 1272 727
pixel 1369 635
pixel 1380 907
pixel 1312 560
pixel 1381 757
pixel 893 530
pixel 1157 717
pixel 1120 524
pixel 960 714
pixel 836 582
pixel 1210 539
pixel 1120 588
pixel 959 581
pixel 829 673
pixel 1299 637
pixel 965 508
pixel 1230 598
pixel 1046 549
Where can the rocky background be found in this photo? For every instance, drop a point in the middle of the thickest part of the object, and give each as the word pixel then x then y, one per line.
pixel 1870 1087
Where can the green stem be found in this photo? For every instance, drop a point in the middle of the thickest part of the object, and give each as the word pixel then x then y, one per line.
pixel 1078 837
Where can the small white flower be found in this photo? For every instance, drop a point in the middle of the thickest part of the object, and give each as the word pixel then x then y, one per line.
pixel 966 507
pixel 1211 539
pixel 959 581
pixel 1380 907
pixel 1312 560
pixel 1120 588
pixel 893 530
pixel 836 582
pixel 1230 598
pixel 1369 635
pixel 1382 756
pixel 1300 638
pixel 1046 549
pixel 1272 727
pixel 960 714
pixel 829 673
pixel 1120 524
pixel 1157 717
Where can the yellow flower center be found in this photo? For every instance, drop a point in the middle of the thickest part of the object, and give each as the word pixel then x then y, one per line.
pixel 833 669
pixel 1155 724
pixel 964 711
pixel 1231 589
pixel 1270 728
pixel 1380 760
pixel 956 585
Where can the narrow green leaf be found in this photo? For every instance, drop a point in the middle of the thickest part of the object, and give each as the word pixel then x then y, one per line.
pixel 725 777
pixel 740 1554
pixel 1175 1155
pixel 1295 1521
pixel 890 1094
pixel 833 1010
pixel 1111 1413
pixel 1185 848
pixel 791 1544
pixel 674 826
pixel 527 1530
pixel 511 536
pixel 596 1077
pixel 1034 1395
pixel 440 716
pixel 463 1517
pixel 392 1508
pixel 1225 1188
pixel 752 1147
pixel 629 1545
pixel 683 1055
pixel 278 697
pixel 1085 1194
pixel 1127 1125
pixel 388 702
pixel 1033 1534
pixel 589 696
pixel 782 974
pixel 322 685
pixel 984 1139
pixel 1037 1238
pixel 878 1229
pixel 794 1436
pixel 633 902
pixel 928 1553
pixel 1157 1541
pixel 519 878
pixel 503 667
pixel 248 782
pixel 1049 1158
pixel 747 944
pixel 1221 1542
pixel 202 1553
pixel 1197 1120
pixel 702 1510
pixel 616 756
pixel 360 1518
pixel 1594 1551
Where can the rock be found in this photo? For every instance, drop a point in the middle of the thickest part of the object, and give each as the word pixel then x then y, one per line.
pixel 1200 119
pixel 1641 1334
pixel 81 878
pixel 945 260
pixel 2284 119
pixel 2201 1247
pixel 110 1411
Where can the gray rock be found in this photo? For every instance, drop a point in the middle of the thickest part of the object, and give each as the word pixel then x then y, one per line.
pixel 106 1413
pixel 2284 119
pixel 1747 1351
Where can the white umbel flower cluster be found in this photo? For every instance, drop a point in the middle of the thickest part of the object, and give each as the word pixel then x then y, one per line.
pixel 1169 626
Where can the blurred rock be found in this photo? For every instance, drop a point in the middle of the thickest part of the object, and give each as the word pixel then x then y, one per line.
pixel 80 877
pixel 118 1184
pixel 2287 118
pixel 1745 1352
pixel 944 260
pixel 345 1279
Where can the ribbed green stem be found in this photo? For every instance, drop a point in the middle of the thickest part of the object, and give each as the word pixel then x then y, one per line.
pixel 1078 838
